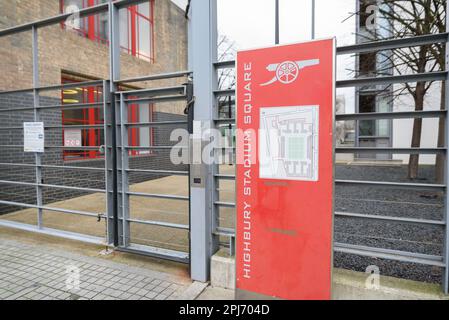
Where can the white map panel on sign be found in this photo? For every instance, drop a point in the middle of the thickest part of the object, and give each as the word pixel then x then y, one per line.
pixel 288 148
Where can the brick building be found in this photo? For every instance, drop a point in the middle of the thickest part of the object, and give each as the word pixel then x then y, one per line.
pixel 153 38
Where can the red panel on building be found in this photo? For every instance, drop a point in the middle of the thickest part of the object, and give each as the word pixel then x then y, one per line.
pixel 285 173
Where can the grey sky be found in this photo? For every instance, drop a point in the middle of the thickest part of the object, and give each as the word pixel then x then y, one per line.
pixel 250 23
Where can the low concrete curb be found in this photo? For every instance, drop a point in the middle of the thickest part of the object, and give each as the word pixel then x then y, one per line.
pixel 193 291
pixel 347 285
pixel 350 285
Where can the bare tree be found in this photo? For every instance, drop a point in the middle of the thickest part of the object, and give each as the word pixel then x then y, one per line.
pixel 226 51
pixel 226 77
pixel 409 18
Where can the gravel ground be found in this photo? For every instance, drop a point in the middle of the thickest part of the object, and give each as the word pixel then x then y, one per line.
pixel 391 202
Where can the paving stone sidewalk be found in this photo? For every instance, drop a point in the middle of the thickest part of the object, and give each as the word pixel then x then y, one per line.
pixel 30 272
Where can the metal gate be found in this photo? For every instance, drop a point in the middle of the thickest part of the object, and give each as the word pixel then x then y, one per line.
pixel 108 200
pixel 139 229
pixel 32 183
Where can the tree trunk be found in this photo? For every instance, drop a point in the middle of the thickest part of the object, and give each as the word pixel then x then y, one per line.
pixel 439 166
pixel 413 165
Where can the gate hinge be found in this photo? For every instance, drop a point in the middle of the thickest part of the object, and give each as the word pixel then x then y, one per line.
pixel 190 104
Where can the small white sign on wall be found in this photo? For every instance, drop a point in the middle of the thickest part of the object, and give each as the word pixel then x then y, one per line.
pixel 33 137
pixel 72 138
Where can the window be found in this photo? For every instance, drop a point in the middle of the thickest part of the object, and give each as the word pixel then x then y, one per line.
pixel 365 11
pixel 136 26
pixel 368 64
pixel 77 136
pixel 367 105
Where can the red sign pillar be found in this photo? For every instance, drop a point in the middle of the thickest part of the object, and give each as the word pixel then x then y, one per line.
pixel 285 171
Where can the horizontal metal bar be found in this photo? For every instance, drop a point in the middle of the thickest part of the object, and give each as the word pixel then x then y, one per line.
pixel 161 76
pixel 155 124
pixel 73 106
pixel 371 46
pixel 155 147
pixel 53 232
pixel 5 92
pixel 72 168
pixel 33 184
pixel 67 211
pixel 154 92
pixel 160 224
pixel 391 219
pixel 83 148
pixel 413 186
pixel 225 120
pixel 158 196
pixel 225 232
pixel 371 137
pixel 56 87
pixel 391 150
pixel 224 93
pixel 17 109
pixel 373 252
pixel 50 166
pixel 84 126
pixel 225 204
pixel 172 98
pixel 4 164
pixel 376 150
pixel 103 7
pixel 127 3
pixel 87 126
pixel 391 115
pixel 162 172
pixel 53 20
pixel 61 107
pixel 371 81
pixel 393 44
pixel 225 176
pixel 224 64
pixel 159 253
pixel 225 148
pixel 388 254
pixel 10 128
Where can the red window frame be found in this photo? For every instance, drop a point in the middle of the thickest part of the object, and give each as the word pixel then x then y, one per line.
pixel 91 116
pixel 91 137
pixel 92 22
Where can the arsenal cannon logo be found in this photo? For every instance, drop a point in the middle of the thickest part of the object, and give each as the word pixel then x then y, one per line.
pixel 288 71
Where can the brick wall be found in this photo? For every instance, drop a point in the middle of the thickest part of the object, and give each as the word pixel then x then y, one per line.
pixel 64 50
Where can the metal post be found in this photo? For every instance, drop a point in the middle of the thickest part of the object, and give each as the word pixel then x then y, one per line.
pixel 114 67
pixel 313 19
pixel 189 112
pixel 446 243
pixel 38 156
pixel 202 55
pixel 108 131
pixel 124 167
pixel 277 21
